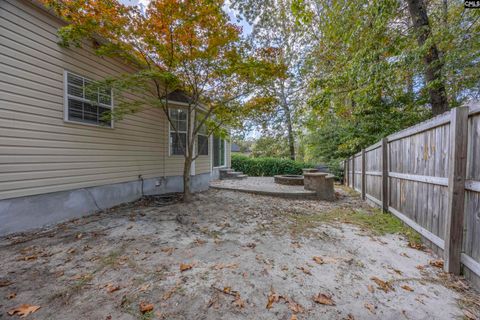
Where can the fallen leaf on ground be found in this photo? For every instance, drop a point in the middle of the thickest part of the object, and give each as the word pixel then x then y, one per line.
pixel 436 263
pixel 318 260
pixel 71 251
pixel 168 251
pixel 383 285
pixel 272 298
pixel 415 245
pixel 251 245
pixel 295 307
pixel 79 236
pixel 28 258
pixel 238 302
pixel 185 267
pixel 370 307
pixel 305 270
pixel 11 296
pixel 220 266
pixel 145 307
pixel 324 299
pixel 405 254
pixel 407 287
pixel 420 267
pixel 371 288
pixel 293 317
pixel 112 288
pixel 5 283
pixel 23 310
pixel 350 317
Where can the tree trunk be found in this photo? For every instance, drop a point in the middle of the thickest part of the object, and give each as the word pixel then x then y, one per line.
pixel 291 138
pixel 433 76
pixel 187 193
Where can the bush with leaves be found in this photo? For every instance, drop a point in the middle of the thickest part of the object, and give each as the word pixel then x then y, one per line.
pixel 267 167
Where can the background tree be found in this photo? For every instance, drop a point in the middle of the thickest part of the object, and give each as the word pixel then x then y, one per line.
pixel 274 27
pixel 178 46
pixel 369 69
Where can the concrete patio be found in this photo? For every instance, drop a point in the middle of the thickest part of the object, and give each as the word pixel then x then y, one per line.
pixel 264 186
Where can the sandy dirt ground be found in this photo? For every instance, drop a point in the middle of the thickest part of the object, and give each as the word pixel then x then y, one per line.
pixel 226 255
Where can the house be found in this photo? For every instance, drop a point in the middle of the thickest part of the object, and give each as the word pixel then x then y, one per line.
pixel 59 159
pixel 235 148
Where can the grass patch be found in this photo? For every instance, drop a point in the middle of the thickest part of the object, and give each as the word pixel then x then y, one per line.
pixel 374 220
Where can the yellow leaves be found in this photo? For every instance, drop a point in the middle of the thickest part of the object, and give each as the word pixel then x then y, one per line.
pixel 23 310
pixel 383 285
pixel 324 299
pixel 185 266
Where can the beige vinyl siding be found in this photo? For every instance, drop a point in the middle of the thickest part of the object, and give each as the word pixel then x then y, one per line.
pixel 41 153
pixel 202 164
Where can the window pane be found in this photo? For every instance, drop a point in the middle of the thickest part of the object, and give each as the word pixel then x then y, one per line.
pixel 182 114
pixel 104 116
pixel 90 113
pixel 75 91
pixel 182 125
pixel 76 80
pixel 202 145
pixel 177 142
pixel 105 99
pixel 75 110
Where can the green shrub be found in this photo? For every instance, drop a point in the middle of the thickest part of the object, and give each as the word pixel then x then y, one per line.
pixel 267 167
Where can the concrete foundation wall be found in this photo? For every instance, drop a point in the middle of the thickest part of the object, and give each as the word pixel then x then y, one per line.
pixel 24 213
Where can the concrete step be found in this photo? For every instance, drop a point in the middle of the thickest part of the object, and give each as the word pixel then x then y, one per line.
pixel 226 170
pixel 242 176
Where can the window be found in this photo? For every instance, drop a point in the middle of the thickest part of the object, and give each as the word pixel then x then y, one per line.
pixel 202 141
pixel 218 152
pixel 86 103
pixel 178 131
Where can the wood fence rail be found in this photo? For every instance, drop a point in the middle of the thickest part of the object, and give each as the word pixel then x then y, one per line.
pixel 428 176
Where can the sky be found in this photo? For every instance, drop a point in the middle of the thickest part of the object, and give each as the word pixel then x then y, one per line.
pixel 247 29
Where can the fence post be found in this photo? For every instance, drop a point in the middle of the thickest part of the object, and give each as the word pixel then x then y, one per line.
pixel 353 172
pixel 456 189
pixel 363 185
pixel 385 174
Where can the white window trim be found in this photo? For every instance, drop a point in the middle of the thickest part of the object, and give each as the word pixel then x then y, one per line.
pixel 170 134
pixel 65 103
pixel 224 154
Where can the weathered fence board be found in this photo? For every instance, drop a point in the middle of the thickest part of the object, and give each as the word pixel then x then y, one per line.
pixel 420 180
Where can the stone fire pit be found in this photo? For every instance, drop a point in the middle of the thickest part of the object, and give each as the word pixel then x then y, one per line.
pixel 289 180
pixel 312 180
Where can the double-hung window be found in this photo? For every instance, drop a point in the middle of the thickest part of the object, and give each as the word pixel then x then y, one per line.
pixel 202 140
pixel 178 131
pixel 86 102
pixel 218 152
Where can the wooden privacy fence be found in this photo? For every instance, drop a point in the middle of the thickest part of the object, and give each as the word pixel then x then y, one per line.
pixel 429 176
